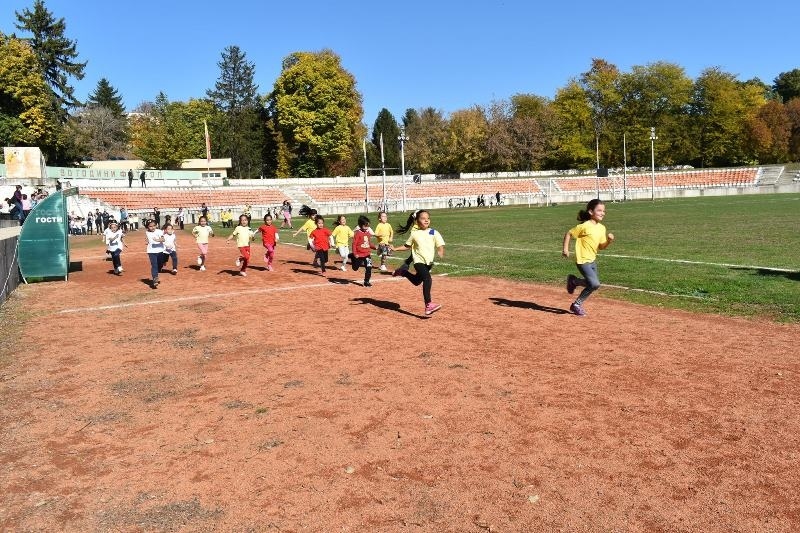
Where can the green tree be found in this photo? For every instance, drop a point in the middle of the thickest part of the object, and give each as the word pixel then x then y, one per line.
pixel 164 133
pixel 427 132
pixel 106 96
pixel 655 95
pixel 601 86
pixel 99 132
pixel 26 113
pixel 56 53
pixel 465 141
pixel 721 109
pixel 787 85
pixel 240 128
pixel 386 125
pixel 574 129
pixel 316 111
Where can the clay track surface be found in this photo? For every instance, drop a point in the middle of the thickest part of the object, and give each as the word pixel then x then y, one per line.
pixel 285 401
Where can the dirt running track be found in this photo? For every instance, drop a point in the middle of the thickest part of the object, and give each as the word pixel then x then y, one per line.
pixel 221 403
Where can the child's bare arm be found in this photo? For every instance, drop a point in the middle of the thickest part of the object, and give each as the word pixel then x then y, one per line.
pixel 565 250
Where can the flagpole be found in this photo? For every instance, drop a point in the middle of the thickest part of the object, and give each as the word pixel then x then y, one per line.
pixel 366 172
pixel 383 168
pixel 208 149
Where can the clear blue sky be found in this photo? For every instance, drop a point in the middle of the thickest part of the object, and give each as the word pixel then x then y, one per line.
pixel 445 54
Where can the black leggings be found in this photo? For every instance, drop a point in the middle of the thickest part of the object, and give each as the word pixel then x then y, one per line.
pixel 422 275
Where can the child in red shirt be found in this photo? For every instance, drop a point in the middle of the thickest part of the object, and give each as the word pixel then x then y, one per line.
pixel 269 238
pixel 362 248
pixel 321 241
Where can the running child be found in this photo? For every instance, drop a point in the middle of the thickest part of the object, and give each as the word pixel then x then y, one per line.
pixel 243 235
pixel 424 243
pixel 113 236
pixel 155 247
pixel 590 236
pixel 362 248
pixel 170 248
pixel 341 239
pixel 202 232
pixel 308 226
pixel 385 234
pixel 269 238
pixel 320 239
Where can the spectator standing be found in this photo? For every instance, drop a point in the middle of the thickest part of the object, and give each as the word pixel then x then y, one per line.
pixel 130 178
pixel 142 178
pixel 123 218
pixel 98 221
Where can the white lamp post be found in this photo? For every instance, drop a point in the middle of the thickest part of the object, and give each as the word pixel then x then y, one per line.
pixel 402 138
pixel 653 162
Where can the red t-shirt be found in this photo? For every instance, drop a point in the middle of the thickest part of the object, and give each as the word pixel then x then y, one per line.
pixel 361 237
pixel 268 234
pixel 321 238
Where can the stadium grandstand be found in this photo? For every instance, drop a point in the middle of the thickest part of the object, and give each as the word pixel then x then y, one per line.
pixel 171 190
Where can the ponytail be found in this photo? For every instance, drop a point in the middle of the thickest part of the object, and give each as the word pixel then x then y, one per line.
pixel 410 222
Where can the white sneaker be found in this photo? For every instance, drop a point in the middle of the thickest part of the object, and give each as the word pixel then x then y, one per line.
pixel 119 269
pixel 202 268
pixel 238 262
pixel 199 260
pixel 174 270
pixel 343 268
pixel 243 274
pixel 383 268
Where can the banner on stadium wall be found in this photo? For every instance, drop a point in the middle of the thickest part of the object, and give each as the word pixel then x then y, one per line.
pixel 44 239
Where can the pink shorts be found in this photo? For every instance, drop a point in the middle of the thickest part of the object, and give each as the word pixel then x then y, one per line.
pixel 203 247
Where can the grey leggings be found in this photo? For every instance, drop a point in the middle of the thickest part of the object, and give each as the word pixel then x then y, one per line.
pixel 591 281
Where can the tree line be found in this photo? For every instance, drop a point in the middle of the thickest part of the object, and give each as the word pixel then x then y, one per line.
pixel 311 122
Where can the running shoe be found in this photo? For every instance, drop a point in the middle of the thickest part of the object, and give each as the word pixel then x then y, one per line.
pixel 243 274
pixel 432 308
pixel 269 267
pixel 202 268
pixel 383 268
pixel 577 310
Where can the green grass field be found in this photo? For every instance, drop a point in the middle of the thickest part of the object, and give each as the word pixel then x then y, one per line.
pixel 735 255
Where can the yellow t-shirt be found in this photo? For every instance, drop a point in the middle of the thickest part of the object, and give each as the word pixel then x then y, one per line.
pixel 588 238
pixel 342 235
pixel 309 226
pixel 242 235
pixel 423 245
pixel 202 233
pixel 384 232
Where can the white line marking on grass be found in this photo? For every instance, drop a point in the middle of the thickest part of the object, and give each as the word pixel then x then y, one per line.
pixel 214 295
pixel 657 293
pixel 436 263
pixel 642 258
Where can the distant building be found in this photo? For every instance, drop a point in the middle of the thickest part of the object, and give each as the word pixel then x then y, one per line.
pixel 216 168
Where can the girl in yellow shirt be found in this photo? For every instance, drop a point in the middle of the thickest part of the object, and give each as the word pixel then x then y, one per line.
pixel 590 236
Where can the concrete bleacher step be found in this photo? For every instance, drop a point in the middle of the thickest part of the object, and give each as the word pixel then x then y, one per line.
pixel 773 175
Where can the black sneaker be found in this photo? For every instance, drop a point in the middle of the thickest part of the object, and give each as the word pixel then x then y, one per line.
pixel 367 284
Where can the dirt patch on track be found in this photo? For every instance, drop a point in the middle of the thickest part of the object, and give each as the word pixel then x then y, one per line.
pixel 255 404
